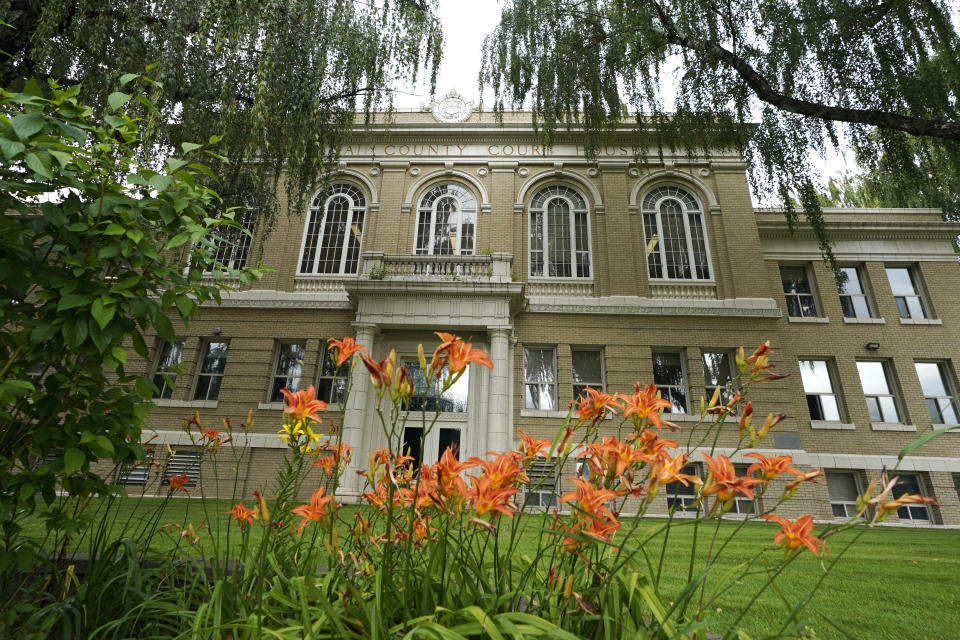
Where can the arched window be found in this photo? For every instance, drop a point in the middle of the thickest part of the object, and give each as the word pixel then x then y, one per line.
pixel 331 243
pixel 447 221
pixel 559 234
pixel 674 217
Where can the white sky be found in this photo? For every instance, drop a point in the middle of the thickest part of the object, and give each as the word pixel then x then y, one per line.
pixel 465 24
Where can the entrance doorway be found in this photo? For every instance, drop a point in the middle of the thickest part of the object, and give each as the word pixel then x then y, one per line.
pixel 430 449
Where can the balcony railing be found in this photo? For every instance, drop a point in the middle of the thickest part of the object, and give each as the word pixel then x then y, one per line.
pixel 483 268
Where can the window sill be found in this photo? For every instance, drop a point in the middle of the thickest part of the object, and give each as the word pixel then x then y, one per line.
pixel 831 425
pixel 814 319
pixel 865 321
pixel 542 413
pixel 948 428
pixel 681 417
pixel 921 321
pixel 186 404
pixel 892 426
pixel 280 406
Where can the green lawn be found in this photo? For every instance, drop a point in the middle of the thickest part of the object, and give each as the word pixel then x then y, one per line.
pixel 893 583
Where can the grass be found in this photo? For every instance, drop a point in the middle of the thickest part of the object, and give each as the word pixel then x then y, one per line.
pixel 892 583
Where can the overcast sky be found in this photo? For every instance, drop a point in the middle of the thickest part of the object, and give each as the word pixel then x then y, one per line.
pixel 465 24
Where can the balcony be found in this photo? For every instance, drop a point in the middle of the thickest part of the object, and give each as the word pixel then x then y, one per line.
pixel 493 268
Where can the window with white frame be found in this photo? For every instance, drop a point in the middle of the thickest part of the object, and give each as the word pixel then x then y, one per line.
pixel 669 378
pixel 798 292
pixel 853 295
pixel 183 463
pixel 167 368
pixel 906 292
pixel 446 221
pixel 540 378
pixel 881 402
pixel 718 371
pixel 212 365
pixel 541 490
pixel 331 241
pixel 232 242
pixel 333 381
pixel 559 234
pixel 673 217
pixel 911 483
pixel 137 474
pixel 843 490
pixel 288 371
pixel 682 497
pixel 819 389
pixel 453 400
pixel 741 504
pixel 938 392
pixel 587 369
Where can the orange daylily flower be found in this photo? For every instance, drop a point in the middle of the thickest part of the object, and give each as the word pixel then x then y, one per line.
pixel 313 511
pixel 327 463
pixel 590 499
pixel 403 386
pixel 723 481
pixel 440 355
pixel 745 412
pixel 760 352
pixel 421 530
pixel 529 446
pixel 241 514
pixel 381 373
pixel 504 470
pixel 303 404
pixel 796 533
pixel 611 457
pixel 915 498
pixel 447 471
pixel 602 528
pixel 345 348
pixel 770 468
pixel 178 481
pixel 652 445
pixel 210 434
pixel 665 470
pixel 460 354
pixel 486 498
pixel 809 476
pixel 645 405
pixel 593 405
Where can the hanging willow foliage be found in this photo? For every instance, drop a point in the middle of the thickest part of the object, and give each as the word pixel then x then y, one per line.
pixel 807 72
pixel 280 80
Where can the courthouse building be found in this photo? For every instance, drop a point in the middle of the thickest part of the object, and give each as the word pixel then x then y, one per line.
pixel 575 272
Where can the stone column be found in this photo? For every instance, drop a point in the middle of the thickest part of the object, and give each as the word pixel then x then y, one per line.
pixel 354 415
pixel 499 436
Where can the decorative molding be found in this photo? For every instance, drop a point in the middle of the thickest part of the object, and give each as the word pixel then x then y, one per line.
pixel 668 175
pixel 524 172
pixel 269 299
pixel 448 171
pixel 632 305
pixel 415 171
pixel 683 289
pixel 452 107
pixel 482 172
pixel 364 181
pixel 559 174
pixel 561 288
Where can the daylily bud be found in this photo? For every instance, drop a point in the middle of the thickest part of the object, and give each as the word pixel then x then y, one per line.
pixel 422 358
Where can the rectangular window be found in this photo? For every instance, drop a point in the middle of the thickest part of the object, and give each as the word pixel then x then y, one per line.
pixel 742 504
pixel 453 400
pixel 136 475
pixel 718 371
pixel 289 369
pixel 542 489
pixel 587 370
pixel 843 494
pixel 909 483
pixel 168 365
pixel 232 244
pixel 183 462
pixel 798 292
pixel 668 376
pixel 540 379
pixel 333 381
pixel 818 387
pixel 937 391
pixel 881 403
pixel 211 371
pixel 680 497
pixel 906 293
pixel 853 296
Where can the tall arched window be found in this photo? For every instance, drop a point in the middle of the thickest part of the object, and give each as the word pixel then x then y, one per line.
pixel 331 243
pixel 447 221
pixel 674 217
pixel 559 234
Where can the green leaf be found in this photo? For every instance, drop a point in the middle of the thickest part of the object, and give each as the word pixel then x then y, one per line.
pixel 53 214
pixel 215 139
pixel 164 328
pixel 77 134
pixel 119 353
pixel 73 459
pixel 27 124
pixel 177 240
pixel 128 77
pixel 114 229
pixel 63 158
pixel 11 148
pixel 73 300
pixel 922 440
pixel 189 146
pixel 117 99
pixel 161 182
pixel 185 305
pixel 103 311
pixel 16 388
pixel 135 234
pixel 74 332
pixel 140 345
pixel 36 164
pixel 173 164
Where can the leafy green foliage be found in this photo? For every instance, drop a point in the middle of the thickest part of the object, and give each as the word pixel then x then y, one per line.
pixel 97 248
pixel 884 74
pixel 280 80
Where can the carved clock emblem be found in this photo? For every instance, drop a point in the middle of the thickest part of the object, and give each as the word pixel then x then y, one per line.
pixel 451 108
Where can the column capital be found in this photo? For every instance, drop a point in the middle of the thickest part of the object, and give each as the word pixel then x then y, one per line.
pixel 500 332
pixel 365 327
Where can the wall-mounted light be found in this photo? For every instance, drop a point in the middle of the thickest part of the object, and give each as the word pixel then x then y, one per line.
pixel 873 346
pixel 216 332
